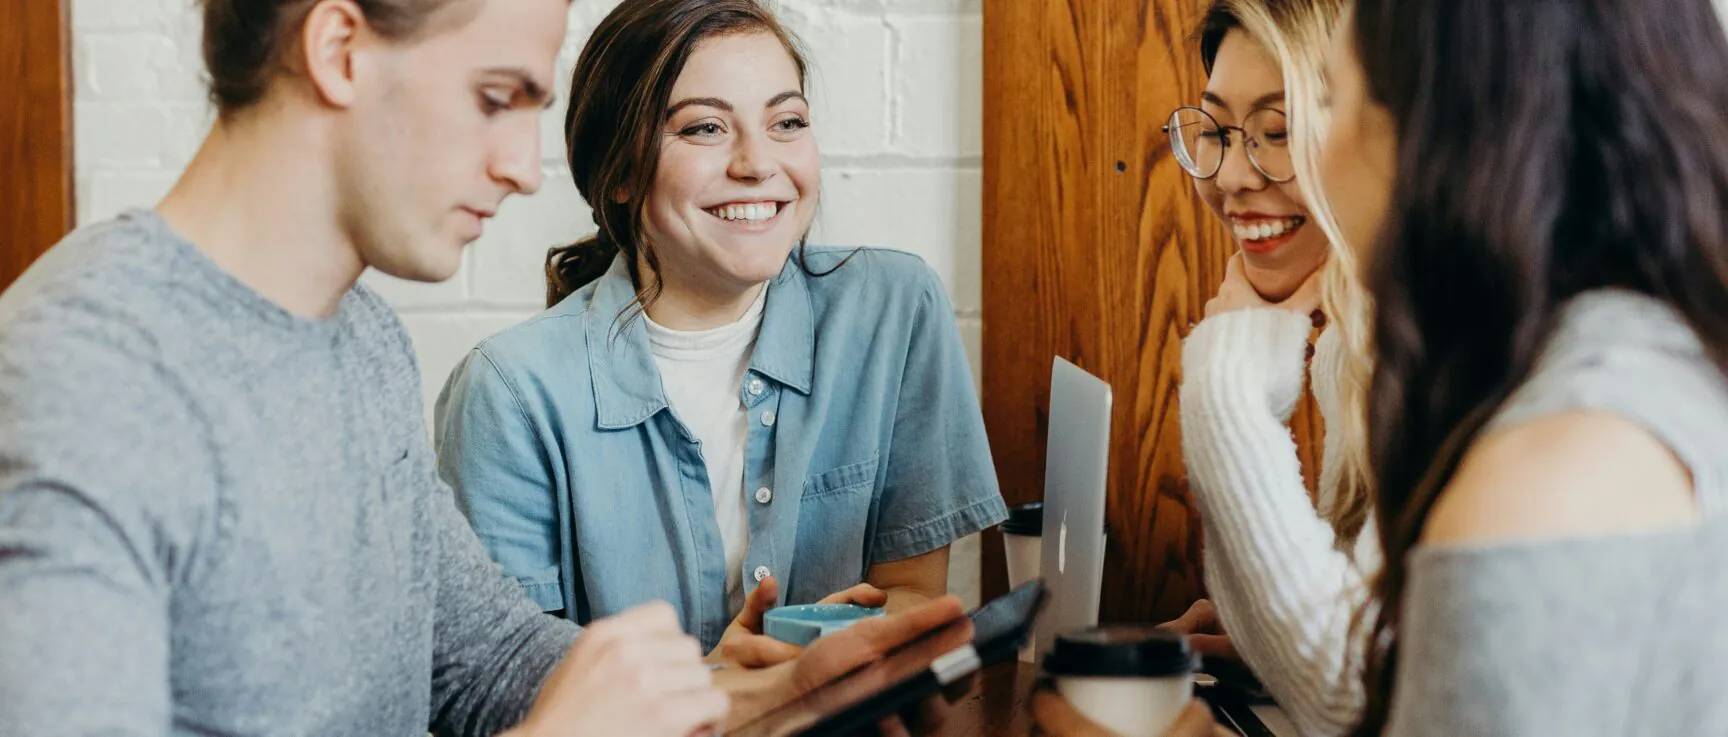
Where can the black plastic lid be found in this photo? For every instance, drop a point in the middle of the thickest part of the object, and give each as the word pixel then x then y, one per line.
pixel 1025 519
pixel 1120 652
pixel 1028 520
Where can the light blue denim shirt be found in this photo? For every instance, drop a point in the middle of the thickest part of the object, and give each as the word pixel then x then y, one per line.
pixel 558 439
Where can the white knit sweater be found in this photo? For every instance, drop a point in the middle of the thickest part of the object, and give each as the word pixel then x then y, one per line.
pixel 1285 591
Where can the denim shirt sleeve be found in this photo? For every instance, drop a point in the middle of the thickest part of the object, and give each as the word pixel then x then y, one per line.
pixel 491 455
pixel 940 483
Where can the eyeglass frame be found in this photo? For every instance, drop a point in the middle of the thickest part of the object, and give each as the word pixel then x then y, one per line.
pixel 1226 129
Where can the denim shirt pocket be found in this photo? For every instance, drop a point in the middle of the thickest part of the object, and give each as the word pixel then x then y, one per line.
pixel 841 480
pixel 833 519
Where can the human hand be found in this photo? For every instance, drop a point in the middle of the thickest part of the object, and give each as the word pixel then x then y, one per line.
pixel 759 691
pixel 1058 718
pixel 744 646
pixel 1236 293
pixel 1204 630
pixel 636 673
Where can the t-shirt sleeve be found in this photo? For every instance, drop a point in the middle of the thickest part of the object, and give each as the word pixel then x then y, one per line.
pixel 492 647
pixel 940 482
pixel 107 488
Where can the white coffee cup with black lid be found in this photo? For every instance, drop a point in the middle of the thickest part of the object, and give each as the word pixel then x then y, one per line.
pixel 1132 680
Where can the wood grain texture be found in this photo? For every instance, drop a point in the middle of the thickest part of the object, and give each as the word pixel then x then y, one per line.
pixel 1097 249
pixel 36 207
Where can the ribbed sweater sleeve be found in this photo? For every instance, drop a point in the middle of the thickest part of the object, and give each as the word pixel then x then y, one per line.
pixel 1284 590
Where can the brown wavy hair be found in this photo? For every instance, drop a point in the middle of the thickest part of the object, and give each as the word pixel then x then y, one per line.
pixel 618 97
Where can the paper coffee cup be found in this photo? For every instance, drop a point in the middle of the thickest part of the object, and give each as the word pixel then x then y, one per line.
pixel 1132 680
pixel 1022 535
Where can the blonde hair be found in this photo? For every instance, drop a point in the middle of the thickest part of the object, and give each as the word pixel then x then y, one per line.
pixel 1297 33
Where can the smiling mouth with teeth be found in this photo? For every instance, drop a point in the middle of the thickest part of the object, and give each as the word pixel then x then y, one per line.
pixel 755 212
pixel 1262 230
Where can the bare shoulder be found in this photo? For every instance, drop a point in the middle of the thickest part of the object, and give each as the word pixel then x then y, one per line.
pixel 1573 474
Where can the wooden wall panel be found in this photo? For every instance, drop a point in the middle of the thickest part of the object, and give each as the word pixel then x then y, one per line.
pixel 36 206
pixel 1097 249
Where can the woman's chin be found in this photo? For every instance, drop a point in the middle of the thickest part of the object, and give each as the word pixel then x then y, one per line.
pixel 1275 282
pixel 755 269
pixel 1278 274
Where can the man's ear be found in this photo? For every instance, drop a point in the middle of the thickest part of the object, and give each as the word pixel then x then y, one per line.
pixel 328 42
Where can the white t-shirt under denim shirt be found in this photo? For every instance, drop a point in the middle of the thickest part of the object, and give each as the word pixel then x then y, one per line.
pixel 701 371
pixel 865 444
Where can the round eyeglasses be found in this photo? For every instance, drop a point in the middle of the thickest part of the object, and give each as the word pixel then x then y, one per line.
pixel 1200 143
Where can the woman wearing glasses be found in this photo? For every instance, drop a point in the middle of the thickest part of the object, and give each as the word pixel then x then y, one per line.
pixel 1286 578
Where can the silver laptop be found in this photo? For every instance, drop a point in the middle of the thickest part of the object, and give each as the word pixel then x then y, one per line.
pixel 1077 459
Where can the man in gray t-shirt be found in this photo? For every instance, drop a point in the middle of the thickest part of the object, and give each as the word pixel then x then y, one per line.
pixel 219 511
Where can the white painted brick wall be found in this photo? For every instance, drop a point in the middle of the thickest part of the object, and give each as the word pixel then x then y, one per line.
pixel 897 89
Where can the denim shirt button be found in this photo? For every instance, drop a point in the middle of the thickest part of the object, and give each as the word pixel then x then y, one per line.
pixel 764 495
pixel 768 417
pixel 756 387
pixel 761 573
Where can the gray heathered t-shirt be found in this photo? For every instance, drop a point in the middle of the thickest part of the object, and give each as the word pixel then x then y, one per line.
pixel 217 518
pixel 1595 637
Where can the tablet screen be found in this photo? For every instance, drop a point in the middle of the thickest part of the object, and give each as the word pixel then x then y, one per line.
pixel 906 676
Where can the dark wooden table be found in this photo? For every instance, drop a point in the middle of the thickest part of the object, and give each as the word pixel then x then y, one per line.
pixel 999 705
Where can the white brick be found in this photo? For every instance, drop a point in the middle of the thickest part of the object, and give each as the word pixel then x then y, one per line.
pixel 120 135
pixel 585 15
pixel 138 67
pixel 183 77
pixel 404 294
pixel 510 260
pixel 934 213
pixel 188 123
pixel 938 76
pixel 113 192
pixel 109 64
pixel 125 14
pixel 848 85
pixel 441 340
pixel 552 150
pixel 972 336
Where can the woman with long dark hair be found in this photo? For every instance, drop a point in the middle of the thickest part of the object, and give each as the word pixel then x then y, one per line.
pixel 1536 190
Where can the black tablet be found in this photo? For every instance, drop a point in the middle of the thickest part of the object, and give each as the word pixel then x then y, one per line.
pixel 915 671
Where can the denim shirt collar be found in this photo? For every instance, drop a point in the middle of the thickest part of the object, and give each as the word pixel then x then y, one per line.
pixel 627 388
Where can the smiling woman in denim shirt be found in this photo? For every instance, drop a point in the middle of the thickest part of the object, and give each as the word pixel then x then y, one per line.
pixel 711 412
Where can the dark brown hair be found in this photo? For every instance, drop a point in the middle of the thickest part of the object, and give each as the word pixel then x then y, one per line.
pixel 1218 22
pixel 618 97
pixel 1545 148
pixel 244 40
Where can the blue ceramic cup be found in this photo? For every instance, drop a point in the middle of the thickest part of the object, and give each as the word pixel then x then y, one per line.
pixel 803 624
